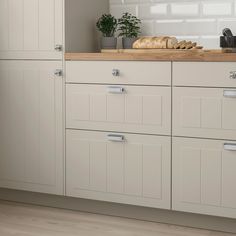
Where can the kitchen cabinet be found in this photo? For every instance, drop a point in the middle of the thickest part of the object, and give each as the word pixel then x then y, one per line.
pixel 31 137
pixel 31 29
pixel 204 176
pixel 204 130
pixel 121 108
pixel 123 168
pixel 129 159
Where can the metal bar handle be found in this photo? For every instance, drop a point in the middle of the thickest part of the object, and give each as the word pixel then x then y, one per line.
pixel 115 90
pixel 230 146
pixel 230 93
pixel 116 138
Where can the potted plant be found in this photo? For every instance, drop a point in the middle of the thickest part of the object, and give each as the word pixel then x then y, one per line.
pixel 129 27
pixel 107 25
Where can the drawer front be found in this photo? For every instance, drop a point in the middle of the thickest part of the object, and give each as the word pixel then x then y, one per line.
pixel 204 112
pixel 116 72
pixel 132 109
pixel 206 74
pixel 122 168
pixel 204 176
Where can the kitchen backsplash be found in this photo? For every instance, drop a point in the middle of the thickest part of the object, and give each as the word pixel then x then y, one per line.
pixel 200 21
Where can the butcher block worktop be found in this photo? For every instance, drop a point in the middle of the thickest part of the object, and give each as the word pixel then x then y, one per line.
pixel 154 55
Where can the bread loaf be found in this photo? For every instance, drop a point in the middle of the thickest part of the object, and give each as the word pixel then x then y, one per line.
pixel 155 42
pixel 163 43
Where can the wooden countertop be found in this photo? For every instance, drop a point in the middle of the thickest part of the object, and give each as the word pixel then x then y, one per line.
pixel 154 55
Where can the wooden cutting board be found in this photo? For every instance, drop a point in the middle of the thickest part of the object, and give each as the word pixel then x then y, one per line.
pixel 161 51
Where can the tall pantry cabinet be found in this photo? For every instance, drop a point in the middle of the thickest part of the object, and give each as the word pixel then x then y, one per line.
pixel 34 34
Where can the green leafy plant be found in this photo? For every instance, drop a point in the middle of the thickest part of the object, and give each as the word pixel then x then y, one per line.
pixel 107 24
pixel 129 26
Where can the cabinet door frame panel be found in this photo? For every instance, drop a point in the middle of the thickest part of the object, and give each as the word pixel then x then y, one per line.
pixel 41 113
pixel 203 113
pixel 201 198
pixel 125 112
pixel 33 32
pixel 123 192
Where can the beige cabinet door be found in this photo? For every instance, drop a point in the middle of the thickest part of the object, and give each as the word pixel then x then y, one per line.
pixel 119 72
pixel 205 74
pixel 119 108
pixel 31 137
pixel 204 176
pixel 204 112
pixel 31 29
pixel 122 168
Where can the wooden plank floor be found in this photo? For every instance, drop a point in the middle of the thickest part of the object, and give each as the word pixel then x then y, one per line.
pixel 28 220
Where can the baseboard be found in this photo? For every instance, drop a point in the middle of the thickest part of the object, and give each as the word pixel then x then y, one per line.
pixel 128 211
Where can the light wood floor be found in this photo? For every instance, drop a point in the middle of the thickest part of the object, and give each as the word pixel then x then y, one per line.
pixel 27 220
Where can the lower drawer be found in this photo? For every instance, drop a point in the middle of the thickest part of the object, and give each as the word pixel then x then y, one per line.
pixel 130 169
pixel 131 109
pixel 204 176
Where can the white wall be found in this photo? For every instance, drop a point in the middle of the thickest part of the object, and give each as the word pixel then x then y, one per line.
pixel 197 20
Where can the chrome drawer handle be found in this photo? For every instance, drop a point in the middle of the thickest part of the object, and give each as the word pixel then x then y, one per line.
pixel 232 75
pixel 58 48
pixel 116 138
pixel 230 146
pixel 115 90
pixel 230 93
pixel 115 72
